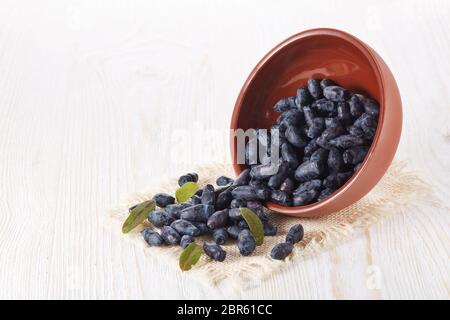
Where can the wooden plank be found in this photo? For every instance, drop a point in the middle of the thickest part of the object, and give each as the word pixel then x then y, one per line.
pixel 94 93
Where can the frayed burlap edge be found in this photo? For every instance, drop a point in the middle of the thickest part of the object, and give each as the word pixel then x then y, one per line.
pixel 398 189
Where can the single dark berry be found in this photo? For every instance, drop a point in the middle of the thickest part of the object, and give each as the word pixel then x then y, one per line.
pixel 315 89
pixel 281 250
pixel 295 234
pixel 304 198
pixel 151 237
pixel 186 240
pixel 224 181
pixel 185 178
pixel 170 235
pixel 329 133
pixel 174 209
pixel 242 179
pixel 367 120
pixel 199 212
pixel 309 170
pixel 220 236
pixel 303 97
pixel 343 113
pixel 248 193
pixel 355 106
pixel 194 176
pixel 160 219
pixel 346 141
pixel 185 227
pixel 214 251
pixel 244 193
pixel 335 93
pixel 246 243
pixel 208 195
pixel 367 123
pixel 285 104
pixel 163 199
pixel 218 219
pixel 281 198
pixel 224 200
pixel 325 108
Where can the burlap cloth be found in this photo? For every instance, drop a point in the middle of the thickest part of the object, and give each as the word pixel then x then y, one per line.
pixel 398 188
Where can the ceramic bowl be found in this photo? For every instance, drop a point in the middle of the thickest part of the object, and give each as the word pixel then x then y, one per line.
pixel 343 58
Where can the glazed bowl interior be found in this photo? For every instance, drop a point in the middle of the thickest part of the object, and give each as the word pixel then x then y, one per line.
pixel 319 53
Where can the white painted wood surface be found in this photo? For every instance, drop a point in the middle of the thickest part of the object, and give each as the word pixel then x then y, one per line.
pixel 90 91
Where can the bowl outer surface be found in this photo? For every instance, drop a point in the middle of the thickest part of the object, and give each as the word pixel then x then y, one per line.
pixel 336 55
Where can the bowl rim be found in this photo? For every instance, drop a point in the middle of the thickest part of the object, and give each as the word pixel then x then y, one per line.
pixel 369 54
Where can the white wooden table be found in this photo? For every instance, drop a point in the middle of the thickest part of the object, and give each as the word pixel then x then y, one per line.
pixel 90 91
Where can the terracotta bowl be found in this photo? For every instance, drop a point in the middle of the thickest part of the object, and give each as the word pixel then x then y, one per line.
pixel 339 56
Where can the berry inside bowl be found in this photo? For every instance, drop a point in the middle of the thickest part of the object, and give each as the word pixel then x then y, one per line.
pixel 341 57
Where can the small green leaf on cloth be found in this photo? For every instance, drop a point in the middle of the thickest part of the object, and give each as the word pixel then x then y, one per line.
pixel 255 225
pixel 186 191
pixel 137 215
pixel 190 256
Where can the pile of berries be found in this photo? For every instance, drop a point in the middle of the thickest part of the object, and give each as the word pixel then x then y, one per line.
pixel 216 211
pixel 324 133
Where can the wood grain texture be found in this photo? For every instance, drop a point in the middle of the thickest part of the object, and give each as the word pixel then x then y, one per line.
pixel 91 91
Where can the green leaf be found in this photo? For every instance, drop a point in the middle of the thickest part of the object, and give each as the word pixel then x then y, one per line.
pixel 186 191
pixel 138 215
pixel 190 256
pixel 255 225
